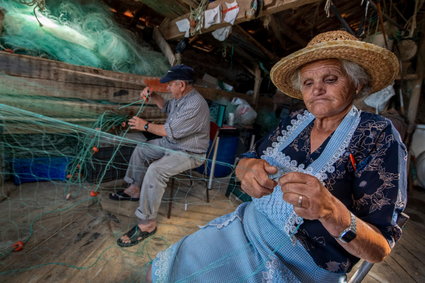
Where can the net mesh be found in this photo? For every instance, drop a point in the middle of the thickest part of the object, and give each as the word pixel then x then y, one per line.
pixel 64 148
pixel 77 32
pixel 58 172
pixel 61 154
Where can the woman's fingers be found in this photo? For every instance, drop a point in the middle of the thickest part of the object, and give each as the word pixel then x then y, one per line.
pixel 254 177
pixel 311 200
pixel 255 190
pixel 256 186
pixel 297 200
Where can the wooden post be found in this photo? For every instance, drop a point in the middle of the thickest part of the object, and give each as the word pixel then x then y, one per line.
pixel 164 46
pixel 414 102
pixel 257 84
pixel 417 85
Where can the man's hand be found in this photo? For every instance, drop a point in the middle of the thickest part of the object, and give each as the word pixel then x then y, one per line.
pixel 145 94
pixel 254 176
pixel 137 123
pixel 311 200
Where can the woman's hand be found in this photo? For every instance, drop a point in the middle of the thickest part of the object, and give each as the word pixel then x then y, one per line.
pixel 254 176
pixel 137 123
pixel 311 200
pixel 318 203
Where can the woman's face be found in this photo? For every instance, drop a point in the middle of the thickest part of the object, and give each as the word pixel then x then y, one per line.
pixel 327 91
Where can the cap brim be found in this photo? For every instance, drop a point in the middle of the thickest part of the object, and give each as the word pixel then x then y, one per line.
pixel 165 79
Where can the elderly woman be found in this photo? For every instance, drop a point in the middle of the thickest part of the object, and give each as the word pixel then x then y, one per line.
pixel 328 184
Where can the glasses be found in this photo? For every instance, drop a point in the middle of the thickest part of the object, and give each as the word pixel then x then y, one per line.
pixel 172 83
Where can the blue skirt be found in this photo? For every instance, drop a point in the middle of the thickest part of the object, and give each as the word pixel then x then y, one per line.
pixel 243 246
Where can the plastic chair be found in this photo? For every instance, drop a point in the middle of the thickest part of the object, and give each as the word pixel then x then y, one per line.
pixel 366 266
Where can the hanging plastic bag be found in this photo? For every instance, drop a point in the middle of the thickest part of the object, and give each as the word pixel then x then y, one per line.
pixel 244 113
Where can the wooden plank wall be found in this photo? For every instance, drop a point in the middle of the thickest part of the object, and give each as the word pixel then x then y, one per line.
pixel 83 89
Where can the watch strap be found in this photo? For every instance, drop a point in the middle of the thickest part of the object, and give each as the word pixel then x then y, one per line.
pixel 350 232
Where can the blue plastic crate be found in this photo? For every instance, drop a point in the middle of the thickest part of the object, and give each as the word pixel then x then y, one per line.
pixel 39 169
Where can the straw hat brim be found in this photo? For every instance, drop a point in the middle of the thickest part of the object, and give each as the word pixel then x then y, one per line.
pixel 381 64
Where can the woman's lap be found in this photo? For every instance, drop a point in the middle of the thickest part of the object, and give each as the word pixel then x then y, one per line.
pixel 226 250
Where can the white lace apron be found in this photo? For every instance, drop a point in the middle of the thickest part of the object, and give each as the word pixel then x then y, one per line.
pixel 280 212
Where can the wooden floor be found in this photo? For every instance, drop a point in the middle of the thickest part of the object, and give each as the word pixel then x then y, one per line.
pixel 74 240
pixel 406 262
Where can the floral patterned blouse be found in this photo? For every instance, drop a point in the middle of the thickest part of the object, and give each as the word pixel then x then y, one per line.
pixel 375 191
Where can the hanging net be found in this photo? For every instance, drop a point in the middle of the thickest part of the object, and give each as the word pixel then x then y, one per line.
pixel 81 34
pixel 63 149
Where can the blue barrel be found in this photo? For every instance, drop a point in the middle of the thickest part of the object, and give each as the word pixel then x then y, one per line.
pixel 226 154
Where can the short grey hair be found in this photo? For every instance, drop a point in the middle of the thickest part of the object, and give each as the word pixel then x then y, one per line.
pixel 188 82
pixel 358 76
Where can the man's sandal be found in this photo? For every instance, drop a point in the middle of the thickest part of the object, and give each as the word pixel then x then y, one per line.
pixel 135 235
pixel 121 195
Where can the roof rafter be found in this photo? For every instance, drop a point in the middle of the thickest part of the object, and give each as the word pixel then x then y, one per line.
pixel 170 31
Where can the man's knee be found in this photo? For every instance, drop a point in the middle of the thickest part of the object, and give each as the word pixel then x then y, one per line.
pixel 139 150
pixel 156 171
pixel 167 168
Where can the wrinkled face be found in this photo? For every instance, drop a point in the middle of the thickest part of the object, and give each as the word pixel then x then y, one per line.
pixel 327 91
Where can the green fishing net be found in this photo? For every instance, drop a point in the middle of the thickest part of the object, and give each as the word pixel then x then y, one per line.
pixel 61 151
pixel 77 32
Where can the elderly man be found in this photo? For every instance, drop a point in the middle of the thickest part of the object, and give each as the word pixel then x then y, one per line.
pixel 182 146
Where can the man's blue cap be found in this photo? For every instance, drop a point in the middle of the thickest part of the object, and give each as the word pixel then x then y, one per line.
pixel 178 72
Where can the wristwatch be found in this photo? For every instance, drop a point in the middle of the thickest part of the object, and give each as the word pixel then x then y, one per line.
pixel 146 127
pixel 349 233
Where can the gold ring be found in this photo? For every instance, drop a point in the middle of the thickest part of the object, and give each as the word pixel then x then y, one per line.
pixel 300 201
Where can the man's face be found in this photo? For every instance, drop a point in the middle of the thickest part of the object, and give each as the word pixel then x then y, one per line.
pixel 176 88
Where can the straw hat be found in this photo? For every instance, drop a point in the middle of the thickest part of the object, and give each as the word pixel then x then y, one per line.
pixel 381 64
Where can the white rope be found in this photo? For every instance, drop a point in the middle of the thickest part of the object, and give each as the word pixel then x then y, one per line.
pixel 328 7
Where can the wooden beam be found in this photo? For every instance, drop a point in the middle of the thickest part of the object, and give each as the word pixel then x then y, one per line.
pixel 289 32
pixel 251 39
pixel 164 46
pixel 28 75
pixel 170 31
pixel 74 109
pixel 166 8
pixel 190 3
pixel 214 94
pixel 257 84
pixel 30 78
pixel 276 29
